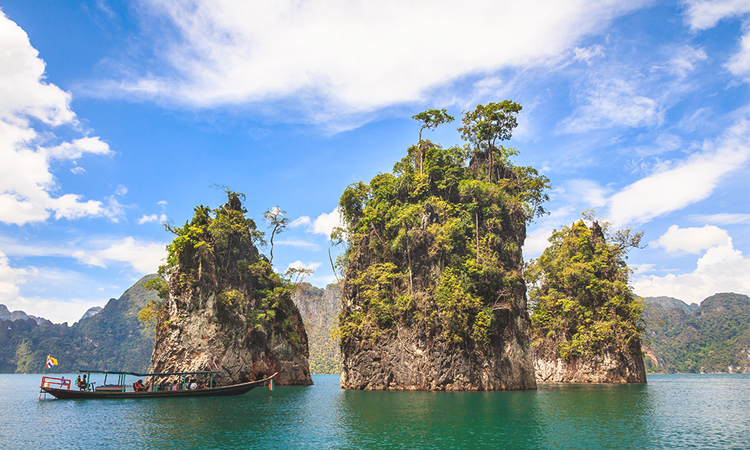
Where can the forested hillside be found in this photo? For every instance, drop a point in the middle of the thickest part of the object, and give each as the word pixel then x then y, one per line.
pixel 112 339
pixel 320 308
pixel 712 337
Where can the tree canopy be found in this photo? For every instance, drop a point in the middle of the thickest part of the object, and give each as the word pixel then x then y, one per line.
pixel 437 242
pixel 217 252
pixel 580 299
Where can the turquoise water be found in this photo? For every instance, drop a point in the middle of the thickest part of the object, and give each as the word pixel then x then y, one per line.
pixel 671 411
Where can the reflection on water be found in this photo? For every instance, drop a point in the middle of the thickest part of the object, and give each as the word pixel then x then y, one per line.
pixel 671 411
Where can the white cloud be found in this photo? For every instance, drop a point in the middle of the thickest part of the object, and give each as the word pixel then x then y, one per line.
pixel 537 238
pixel 586 54
pixel 145 257
pixel 685 60
pixel 10 278
pixel 152 218
pixel 41 292
pixel 536 242
pixel 324 224
pixel 300 265
pixel 78 170
pixel 692 240
pixel 587 191
pixel 303 221
pixel 142 256
pixel 56 310
pixel 704 14
pixel 721 269
pixel 739 63
pixel 642 268
pixel 721 219
pixel 26 183
pixel 349 57
pixel 321 281
pixel 613 102
pixel 298 243
pixel 681 184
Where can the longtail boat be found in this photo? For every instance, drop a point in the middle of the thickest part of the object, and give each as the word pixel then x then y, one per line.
pixel 61 388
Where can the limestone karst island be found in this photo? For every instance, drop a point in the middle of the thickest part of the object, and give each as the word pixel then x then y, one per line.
pixel 433 292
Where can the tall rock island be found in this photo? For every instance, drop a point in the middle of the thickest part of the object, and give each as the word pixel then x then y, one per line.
pixel 224 307
pixel 433 295
pixel 586 320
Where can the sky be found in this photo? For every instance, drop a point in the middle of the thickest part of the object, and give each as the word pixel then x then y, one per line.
pixel 119 116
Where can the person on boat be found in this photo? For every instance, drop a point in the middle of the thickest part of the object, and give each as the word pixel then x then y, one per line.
pixel 193 385
pixel 78 381
pixel 138 386
pixel 83 384
pixel 203 385
pixel 174 386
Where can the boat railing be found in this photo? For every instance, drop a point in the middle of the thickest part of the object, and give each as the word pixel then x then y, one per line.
pixel 53 382
pixel 58 383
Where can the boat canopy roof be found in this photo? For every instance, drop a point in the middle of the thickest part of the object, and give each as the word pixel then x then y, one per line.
pixel 138 374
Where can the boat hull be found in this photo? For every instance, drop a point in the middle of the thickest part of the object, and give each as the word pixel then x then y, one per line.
pixel 236 389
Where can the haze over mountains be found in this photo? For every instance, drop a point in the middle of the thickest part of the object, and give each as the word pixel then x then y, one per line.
pixel 112 338
pixel 680 338
pixel 711 337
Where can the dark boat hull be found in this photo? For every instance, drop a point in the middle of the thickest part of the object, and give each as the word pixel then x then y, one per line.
pixel 237 389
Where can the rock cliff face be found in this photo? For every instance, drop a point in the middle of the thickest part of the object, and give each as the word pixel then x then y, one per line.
pixel 407 359
pixel 434 298
pixel 226 309
pixel 606 367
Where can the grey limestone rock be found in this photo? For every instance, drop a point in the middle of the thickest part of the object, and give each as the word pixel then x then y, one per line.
pixel 407 360
pixel 606 367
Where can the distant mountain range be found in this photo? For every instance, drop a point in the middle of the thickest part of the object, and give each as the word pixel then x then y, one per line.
pixel 19 315
pixel 105 338
pixel 320 309
pixel 712 337
pixel 680 338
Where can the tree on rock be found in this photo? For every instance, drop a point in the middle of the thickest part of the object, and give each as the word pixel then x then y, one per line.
pixel 434 296
pixel 586 320
pixel 223 305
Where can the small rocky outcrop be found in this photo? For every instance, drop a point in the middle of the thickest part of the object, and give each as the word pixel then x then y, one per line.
pixel 586 321
pixel 225 308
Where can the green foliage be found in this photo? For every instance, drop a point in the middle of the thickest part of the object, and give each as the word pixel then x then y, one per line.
pixel 488 124
pixel 231 298
pixel 113 339
pixel 437 243
pixel 277 222
pixel 579 293
pixel 216 253
pixel 714 337
pixel 319 309
pixel 456 307
pixel 430 120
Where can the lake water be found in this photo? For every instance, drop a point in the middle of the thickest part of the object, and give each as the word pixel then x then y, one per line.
pixel 671 412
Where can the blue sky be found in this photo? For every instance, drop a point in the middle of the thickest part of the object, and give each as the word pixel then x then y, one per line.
pixel 118 115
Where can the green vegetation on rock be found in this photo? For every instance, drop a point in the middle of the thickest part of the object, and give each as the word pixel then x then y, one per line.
pixel 216 252
pixel 436 244
pixel 579 295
